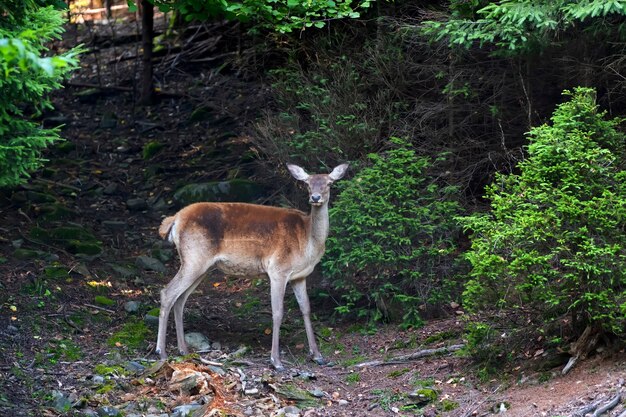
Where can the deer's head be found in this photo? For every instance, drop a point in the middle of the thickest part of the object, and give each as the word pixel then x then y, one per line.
pixel 318 184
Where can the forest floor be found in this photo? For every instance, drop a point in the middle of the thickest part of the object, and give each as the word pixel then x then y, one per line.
pixel 79 242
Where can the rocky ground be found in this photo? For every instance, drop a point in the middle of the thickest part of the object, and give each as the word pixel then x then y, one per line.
pixel 82 266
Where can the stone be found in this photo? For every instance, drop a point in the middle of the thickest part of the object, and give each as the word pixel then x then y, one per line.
pixel 108 411
pixel 111 189
pixel 31 254
pixel 342 402
pixel 216 346
pixel 317 393
pixel 114 225
pixel 135 367
pixel 197 341
pixel 123 271
pixel 251 391
pixel 108 121
pixel 55 211
pixel 61 402
pixel 185 410
pixel 289 411
pixel 132 306
pixel 149 263
pixel 136 204
pixel 97 379
pixel 217 370
pixel 12 329
pixel 150 320
pixel 238 190
pixel 163 254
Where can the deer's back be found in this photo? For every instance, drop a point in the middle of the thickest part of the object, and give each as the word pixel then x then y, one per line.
pixel 238 229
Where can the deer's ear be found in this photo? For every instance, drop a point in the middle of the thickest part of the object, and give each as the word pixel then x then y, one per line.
pixel 297 172
pixel 339 172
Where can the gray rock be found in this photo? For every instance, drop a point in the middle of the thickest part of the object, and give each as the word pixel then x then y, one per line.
pixel 216 369
pixel 152 321
pixel 108 121
pixel 318 393
pixel 216 346
pixel 98 379
pixel 89 413
pixel 233 190
pixel 289 411
pixel 12 329
pixel 197 341
pixel 185 410
pixel 132 306
pixel 108 411
pixel 125 271
pixel 114 224
pixel 111 189
pixel 251 391
pixel 136 204
pixel 342 402
pixel 135 367
pixel 149 263
pixel 61 402
pixel 160 205
pixel 163 254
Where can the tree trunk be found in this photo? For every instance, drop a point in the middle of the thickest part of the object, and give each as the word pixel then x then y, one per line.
pixel 147 37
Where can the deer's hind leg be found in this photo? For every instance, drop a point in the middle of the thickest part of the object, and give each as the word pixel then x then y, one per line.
pixel 175 294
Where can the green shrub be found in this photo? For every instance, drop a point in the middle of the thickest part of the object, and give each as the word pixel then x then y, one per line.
pixel 25 80
pixel 393 236
pixel 554 240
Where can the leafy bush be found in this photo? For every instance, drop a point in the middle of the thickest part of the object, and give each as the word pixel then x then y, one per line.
pixel 393 236
pixel 516 26
pixel 283 16
pixel 554 240
pixel 25 80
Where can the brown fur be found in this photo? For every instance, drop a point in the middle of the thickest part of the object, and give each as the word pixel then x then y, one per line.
pixel 165 227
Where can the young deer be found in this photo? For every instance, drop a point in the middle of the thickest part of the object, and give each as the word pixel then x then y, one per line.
pixel 249 239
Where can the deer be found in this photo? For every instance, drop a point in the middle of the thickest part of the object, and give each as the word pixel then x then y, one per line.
pixel 243 239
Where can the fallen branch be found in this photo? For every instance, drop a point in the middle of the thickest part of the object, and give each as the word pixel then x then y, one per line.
pixel 124 89
pixel 608 406
pixel 599 411
pixel 412 356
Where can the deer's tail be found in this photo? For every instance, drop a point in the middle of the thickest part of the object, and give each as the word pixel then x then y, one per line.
pixel 166 230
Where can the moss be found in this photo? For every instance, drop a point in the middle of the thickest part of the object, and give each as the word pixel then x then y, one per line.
pixel 353 378
pixel 85 248
pixel 132 335
pixel 425 395
pixel 104 301
pixel 448 405
pixel 152 148
pixel 115 370
pixel 398 372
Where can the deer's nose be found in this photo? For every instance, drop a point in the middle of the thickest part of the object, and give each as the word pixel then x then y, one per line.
pixel 316 198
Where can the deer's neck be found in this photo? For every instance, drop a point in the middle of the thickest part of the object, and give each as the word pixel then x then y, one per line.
pixel 319 226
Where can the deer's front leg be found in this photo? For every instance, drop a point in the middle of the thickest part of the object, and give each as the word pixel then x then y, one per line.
pixel 278 282
pixel 299 289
